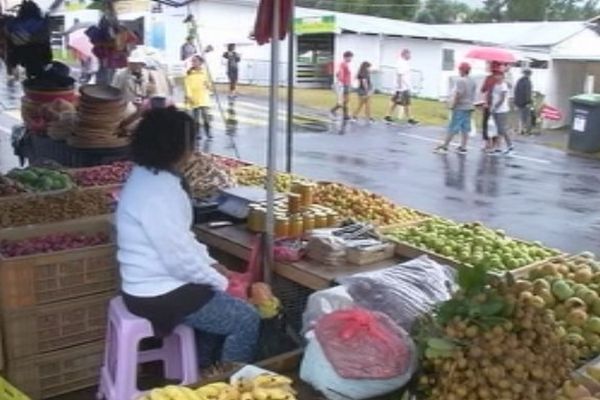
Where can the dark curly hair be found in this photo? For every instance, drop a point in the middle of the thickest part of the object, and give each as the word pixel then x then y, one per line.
pixel 162 138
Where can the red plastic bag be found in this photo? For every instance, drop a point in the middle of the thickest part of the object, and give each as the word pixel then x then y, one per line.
pixel 239 283
pixel 362 344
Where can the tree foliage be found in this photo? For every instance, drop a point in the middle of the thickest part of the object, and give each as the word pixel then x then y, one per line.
pixel 452 11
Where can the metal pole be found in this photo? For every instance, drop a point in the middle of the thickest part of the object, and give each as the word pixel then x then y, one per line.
pixel 272 141
pixel 290 90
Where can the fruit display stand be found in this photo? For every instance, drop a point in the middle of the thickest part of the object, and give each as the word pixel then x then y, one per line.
pixel 54 303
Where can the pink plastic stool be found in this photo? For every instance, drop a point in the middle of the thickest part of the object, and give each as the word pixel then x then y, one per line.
pixel 118 377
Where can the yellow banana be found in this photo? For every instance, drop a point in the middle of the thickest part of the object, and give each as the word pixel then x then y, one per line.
pixel 158 394
pixel 279 394
pixel 271 381
pixel 246 396
pixel 180 393
pixel 260 394
pixel 230 393
pixel 213 390
pixel 243 385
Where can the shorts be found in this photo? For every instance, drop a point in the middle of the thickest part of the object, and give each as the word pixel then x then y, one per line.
pixel 341 91
pixel 402 98
pixel 233 75
pixel 460 122
pixel 501 121
pixel 361 92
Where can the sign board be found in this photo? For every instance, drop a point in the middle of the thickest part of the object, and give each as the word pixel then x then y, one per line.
pixel 308 25
pixel 132 6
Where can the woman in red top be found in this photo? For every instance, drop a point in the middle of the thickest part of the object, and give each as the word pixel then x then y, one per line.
pixel 486 88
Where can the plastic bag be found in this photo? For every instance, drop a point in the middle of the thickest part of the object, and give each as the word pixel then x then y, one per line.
pixel 492 130
pixel 363 344
pixel 404 292
pixel 473 132
pixel 318 371
pixel 325 302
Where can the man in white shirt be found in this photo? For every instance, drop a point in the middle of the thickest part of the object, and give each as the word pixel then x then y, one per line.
pixel 500 110
pixel 402 96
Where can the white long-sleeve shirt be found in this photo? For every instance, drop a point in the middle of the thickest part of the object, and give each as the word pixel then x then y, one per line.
pixel 157 250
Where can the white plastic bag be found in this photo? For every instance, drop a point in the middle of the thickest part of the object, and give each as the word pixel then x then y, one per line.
pixel 473 132
pixel 492 130
pixel 321 375
pixel 324 302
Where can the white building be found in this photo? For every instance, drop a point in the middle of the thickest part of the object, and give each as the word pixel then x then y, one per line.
pixel 560 53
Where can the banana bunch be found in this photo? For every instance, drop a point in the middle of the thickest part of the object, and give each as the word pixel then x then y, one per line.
pixel 269 308
pixel 439 348
pixel 266 387
pixel 171 392
pixel 263 387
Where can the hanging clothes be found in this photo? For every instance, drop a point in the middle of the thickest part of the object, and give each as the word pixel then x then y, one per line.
pixel 29 39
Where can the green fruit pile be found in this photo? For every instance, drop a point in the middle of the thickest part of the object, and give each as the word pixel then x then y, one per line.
pixel 570 288
pixel 41 179
pixel 257 176
pixel 472 244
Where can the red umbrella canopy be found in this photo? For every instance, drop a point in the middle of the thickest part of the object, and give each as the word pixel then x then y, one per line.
pixel 492 54
pixel 263 27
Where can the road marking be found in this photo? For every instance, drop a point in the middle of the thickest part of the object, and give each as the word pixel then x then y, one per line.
pixel 516 156
pixel 282 112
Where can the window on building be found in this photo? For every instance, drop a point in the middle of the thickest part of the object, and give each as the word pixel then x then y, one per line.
pixel 447 59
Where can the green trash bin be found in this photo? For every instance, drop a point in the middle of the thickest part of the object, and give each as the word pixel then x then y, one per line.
pixel 585 123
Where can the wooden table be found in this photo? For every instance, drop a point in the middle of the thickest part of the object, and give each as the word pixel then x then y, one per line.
pixel 236 240
pixel 317 276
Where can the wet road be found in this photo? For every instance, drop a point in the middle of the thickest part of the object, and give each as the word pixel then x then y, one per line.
pixel 537 194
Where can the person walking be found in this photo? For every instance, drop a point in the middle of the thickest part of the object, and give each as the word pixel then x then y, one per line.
pixel 499 110
pixel 524 102
pixel 135 82
pixel 342 87
pixel 486 91
pixel 197 94
pixel 462 106
pixel 188 49
pixel 233 59
pixel 402 96
pixel 365 90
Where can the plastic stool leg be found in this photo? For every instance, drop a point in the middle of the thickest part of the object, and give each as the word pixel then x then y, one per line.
pixel 126 368
pixel 172 349
pixel 188 354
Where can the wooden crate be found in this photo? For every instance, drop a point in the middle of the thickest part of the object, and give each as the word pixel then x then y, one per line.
pixel 57 372
pixel 37 330
pixel 369 256
pixel 45 278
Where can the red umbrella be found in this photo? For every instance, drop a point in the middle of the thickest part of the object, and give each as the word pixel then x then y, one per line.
pixel 80 43
pixel 492 54
pixel 264 20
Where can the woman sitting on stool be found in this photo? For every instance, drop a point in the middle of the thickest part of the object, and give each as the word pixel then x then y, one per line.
pixel 167 276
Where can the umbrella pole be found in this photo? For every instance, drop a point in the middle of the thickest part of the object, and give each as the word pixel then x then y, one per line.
pixel 290 91
pixel 272 142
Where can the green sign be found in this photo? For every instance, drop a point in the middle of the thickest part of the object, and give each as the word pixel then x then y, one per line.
pixel 309 25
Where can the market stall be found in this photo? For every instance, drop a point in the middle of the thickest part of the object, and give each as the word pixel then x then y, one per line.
pixel 59 265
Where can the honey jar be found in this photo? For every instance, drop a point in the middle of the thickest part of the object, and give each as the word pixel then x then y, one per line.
pixel 294 203
pixel 282 227
pixel 332 219
pixel 308 222
pixel 320 220
pixel 296 226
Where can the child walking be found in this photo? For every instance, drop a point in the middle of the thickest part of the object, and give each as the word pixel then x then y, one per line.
pixel 197 94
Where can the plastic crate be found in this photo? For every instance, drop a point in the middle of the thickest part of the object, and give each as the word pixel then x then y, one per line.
pixel 58 372
pixel 38 330
pixel 45 278
pixel 9 392
pixel 293 297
